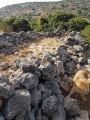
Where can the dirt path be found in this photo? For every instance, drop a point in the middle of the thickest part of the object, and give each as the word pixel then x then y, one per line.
pixel 35 48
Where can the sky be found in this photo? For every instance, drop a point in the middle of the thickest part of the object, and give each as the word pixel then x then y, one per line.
pixel 10 2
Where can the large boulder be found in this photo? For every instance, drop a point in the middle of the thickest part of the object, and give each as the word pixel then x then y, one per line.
pixel 17 105
pixel 50 106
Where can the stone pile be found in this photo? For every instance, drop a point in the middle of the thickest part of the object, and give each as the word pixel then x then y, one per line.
pixel 9 41
pixel 33 89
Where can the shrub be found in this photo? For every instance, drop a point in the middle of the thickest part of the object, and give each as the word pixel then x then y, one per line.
pixel 86 33
pixel 77 24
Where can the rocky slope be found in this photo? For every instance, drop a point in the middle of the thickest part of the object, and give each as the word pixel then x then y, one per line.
pixel 34 91
pixel 33 10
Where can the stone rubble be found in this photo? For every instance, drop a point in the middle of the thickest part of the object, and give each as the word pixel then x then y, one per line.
pixel 33 91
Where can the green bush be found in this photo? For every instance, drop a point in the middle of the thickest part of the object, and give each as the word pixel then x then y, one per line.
pixel 77 24
pixel 14 24
pixel 86 33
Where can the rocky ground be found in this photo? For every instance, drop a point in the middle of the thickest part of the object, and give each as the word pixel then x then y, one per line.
pixel 31 88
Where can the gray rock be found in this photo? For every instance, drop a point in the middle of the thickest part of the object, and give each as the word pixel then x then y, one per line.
pixel 6 91
pixel 17 105
pixel 22 33
pixel 26 67
pixel 46 95
pixel 53 86
pixel 44 118
pixel 15 78
pixel 39 115
pixel 47 70
pixel 78 48
pixel 50 106
pixel 2 117
pixel 60 114
pixel 5 43
pixel 71 107
pixel 82 60
pixel 29 115
pixel 34 60
pixel 47 56
pixel 16 63
pixel 41 87
pixel 4 65
pixel 29 81
pixel 39 96
pixel 4 79
pixel 70 67
pixel 83 115
pixel 70 41
pixel 62 53
pixel 34 96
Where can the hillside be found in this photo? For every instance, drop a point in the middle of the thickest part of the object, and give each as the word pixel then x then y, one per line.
pixel 32 10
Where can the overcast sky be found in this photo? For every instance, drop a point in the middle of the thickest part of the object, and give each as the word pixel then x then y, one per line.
pixel 9 2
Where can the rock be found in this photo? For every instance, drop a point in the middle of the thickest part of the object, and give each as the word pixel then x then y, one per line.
pixel 29 115
pixel 82 60
pixel 16 63
pixel 46 95
pixel 28 67
pixel 34 60
pixel 22 33
pixel 2 117
pixel 70 67
pixel 84 115
pixel 47 56
pixel 50 106
pixel 39 115
pixel 15 78
pixel 62 53
pixel 5 43
pixel 70 41
pixel 60 114
pixel 6 91
pixel 4 65
pixel 78 48
pixel 4 79
pixel 41 87
pixel 64 85
pixel 17 105
pixel 1 102
pixel 73 33
pixel 71 107
pixel 54 87
pixel 47 70
pixel 29 81
pixel 44 118
pixel 34 96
